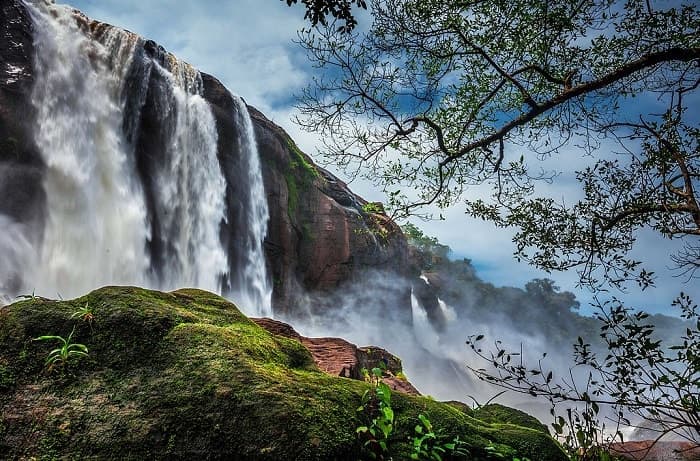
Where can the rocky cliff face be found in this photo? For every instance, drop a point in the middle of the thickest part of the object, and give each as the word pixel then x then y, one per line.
pixel 320 235
pixel 21 167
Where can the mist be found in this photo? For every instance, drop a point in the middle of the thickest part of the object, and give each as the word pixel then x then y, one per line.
pixel 532 321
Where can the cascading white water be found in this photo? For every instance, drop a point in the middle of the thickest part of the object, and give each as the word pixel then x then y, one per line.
pixel 422 328
pixel 447 311
pixel 95 227
pixel 97 224
pixel 134 189
pixel 255 293
pixel 190 186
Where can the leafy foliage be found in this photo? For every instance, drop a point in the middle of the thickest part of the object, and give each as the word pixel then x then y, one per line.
pixel 318 10
pixel 86 313
pixel 443 95
pixel 425 443
pixel 427 446
pixel 377 402
pixel 639 376
pixel 67 351
pixel 425 243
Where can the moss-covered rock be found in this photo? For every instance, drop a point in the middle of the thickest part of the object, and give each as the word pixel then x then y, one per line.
pixel 496 413
pixel 184 375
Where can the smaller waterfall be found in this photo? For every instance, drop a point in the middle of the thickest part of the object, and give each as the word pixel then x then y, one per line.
pixel 254 293
pixel 447 311
pixel 422 328
pixel 189 186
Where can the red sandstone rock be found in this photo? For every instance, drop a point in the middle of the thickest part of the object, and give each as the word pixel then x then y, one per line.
pixel 319 235
pixel 339 357
pixel 647 450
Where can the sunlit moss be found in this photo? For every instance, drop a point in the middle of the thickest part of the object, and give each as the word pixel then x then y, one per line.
pixel 185 375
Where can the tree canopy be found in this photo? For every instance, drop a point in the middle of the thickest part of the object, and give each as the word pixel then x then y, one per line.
pixel 443 95
pixel 317 11
pixel 598 96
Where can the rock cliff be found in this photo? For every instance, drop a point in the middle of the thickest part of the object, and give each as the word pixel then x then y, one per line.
pixel 320 234
pixel 21 168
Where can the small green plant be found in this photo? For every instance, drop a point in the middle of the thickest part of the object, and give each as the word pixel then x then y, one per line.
pixel 67 352
pixel 402 376
pixel 86 313
pixel 582 433
pixel 427 446
pixel 373 207
pixel 377 402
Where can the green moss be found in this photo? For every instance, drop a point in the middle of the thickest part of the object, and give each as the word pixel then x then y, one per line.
pixel 185 375
pixel 300 176
pixel 299 160
pixel 307 232
pixel 293 193
pixel 495 413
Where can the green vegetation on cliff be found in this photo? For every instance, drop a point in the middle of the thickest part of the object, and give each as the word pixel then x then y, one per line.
pixel 185 375
pixel 299 177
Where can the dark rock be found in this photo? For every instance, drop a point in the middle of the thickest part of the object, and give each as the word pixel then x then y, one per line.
pixel 427 296
pixel 21 167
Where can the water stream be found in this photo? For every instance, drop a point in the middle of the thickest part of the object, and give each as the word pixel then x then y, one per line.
pixel 135 192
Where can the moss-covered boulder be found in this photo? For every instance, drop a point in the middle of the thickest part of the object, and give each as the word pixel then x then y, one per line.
pixel 497 414
pixel 184 375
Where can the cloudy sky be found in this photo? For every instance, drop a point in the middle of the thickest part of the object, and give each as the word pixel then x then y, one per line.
pixel 248 45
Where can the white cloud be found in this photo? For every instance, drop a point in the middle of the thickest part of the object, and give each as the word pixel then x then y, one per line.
pixel 244 43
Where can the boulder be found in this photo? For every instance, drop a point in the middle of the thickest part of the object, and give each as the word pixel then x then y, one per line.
pixel 185 375
pixel 338 357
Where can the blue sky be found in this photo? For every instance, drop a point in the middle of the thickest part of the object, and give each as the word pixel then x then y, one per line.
pixel 247 44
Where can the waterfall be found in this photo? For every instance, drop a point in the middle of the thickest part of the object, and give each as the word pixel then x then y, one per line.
pixel 422 328
pixel 254 291
pixel 188 187
pixel 95 227
pixel 447 311
pixel 135 193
